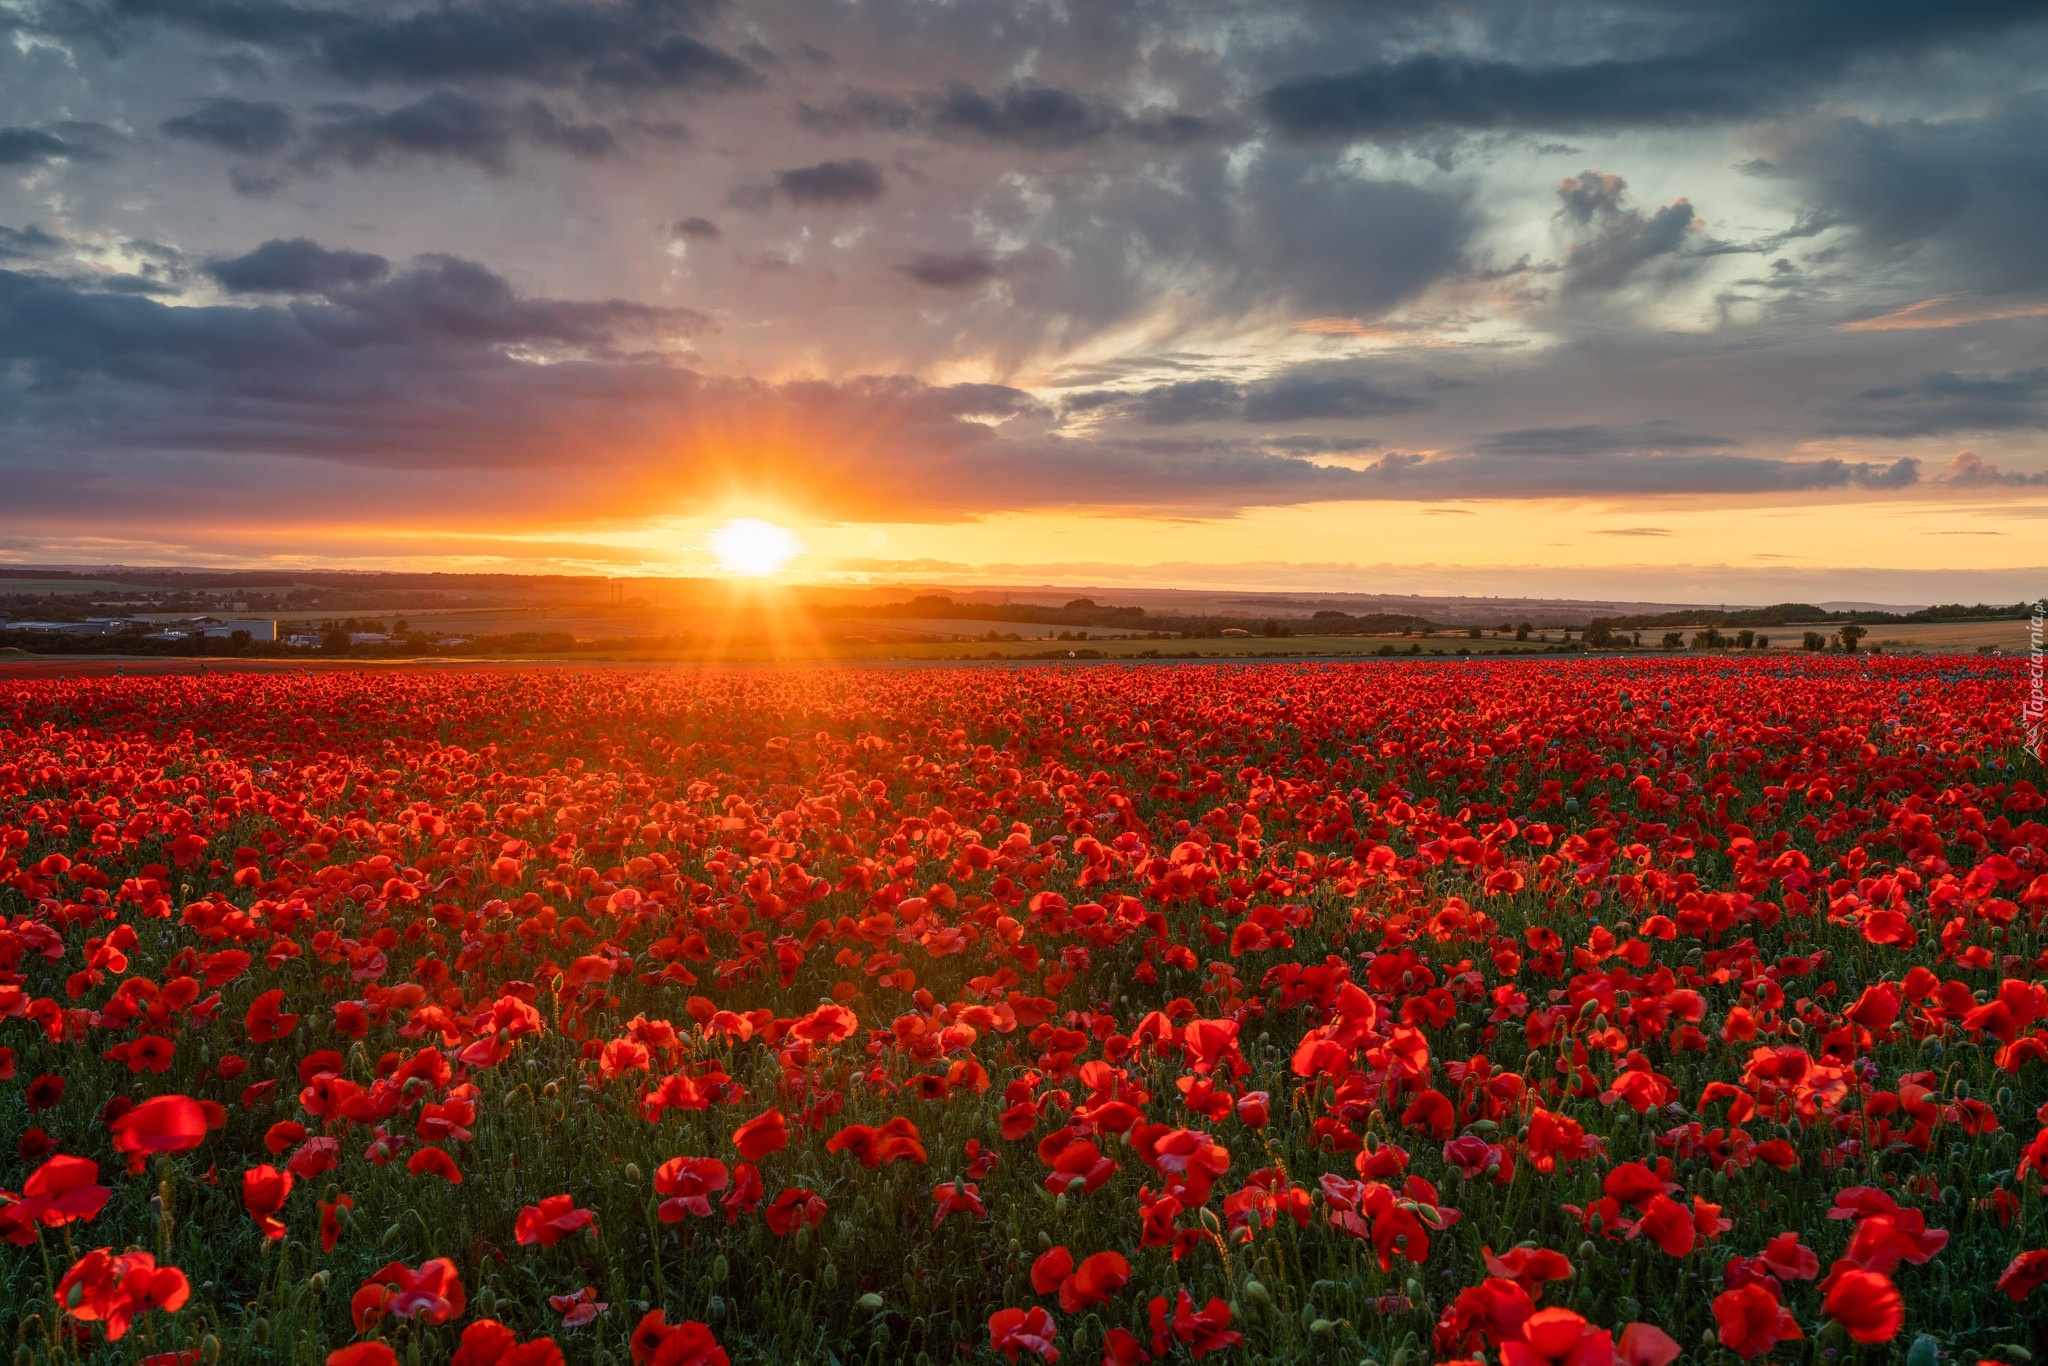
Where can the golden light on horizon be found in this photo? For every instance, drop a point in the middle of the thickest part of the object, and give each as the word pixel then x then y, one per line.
pixel 752 547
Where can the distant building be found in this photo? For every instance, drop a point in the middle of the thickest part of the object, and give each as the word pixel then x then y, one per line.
pixel 258 630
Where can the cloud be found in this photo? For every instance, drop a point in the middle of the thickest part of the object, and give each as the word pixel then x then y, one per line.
pixel 1969 470
pixel 959 270
pixel 829 184
pixel 1943 311
pixel 1626 240
pixel 1591 195
pixel 1302 395
pixel 1636 531
pixel 633 44
pixel 1947 401
pixel 1685 66
pixel 1026 114
pixel 29 243
pixel 1962 199
pixel 1597 439
pixel 446 126
pixel 250 127
pixel 695 230
pixel 297 266
pixel 32 147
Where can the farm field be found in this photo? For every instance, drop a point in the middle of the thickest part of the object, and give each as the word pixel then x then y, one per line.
pixel 1539 1012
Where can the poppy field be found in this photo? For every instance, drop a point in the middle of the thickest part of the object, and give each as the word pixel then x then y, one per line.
pixel 1539 1013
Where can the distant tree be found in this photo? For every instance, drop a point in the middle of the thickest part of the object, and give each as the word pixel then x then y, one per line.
pixel 1081 605
pixel 1674 640
pixel 1763 642
pixel 334 640
pixel 1814 640
pixel 1272 627
pixel 1745 639
pixel 1474 632
pixel 1599 635
pixel 1849 635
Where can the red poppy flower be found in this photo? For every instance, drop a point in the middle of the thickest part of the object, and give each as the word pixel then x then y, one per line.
pixel 44 1092
pixel 1749 1320
pixel 363 1354
pixel 1011 1331
pixel 746 1193
pixel 578 1309
pixel 793 1208
pixel 1866 1303
pixel 552 1220
pixel 657 1342
pixel 762 1135
pixel 266 1018
pixel 333 1221
pixel 957 1197
pixel 112 1291
pixel 63 1189
pixel 1554 1337
pixel 433 1293
pixel 1668 1224
pixel 434 1162
pixel 263 1194
pixel 690 1182
pixel 161 1124
pixel 1643 1344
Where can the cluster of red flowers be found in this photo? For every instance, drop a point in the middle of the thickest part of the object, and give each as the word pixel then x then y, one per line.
pixel 1238 971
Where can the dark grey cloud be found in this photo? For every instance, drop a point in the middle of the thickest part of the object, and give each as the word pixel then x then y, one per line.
pixel 832 184
pixel 446 126
pixel 958 270
pixel 1303 395
pixel 29 243
pixel 633 44
pixel 297 265
pixel 1965 197
pixel 31 147
pixel 1026 114
pixel 1597 439
pixel 1681 64
pixel 1945 401
pixel 695 229
pixel 249 127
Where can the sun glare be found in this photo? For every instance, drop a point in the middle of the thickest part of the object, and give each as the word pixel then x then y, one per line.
pixel 747 545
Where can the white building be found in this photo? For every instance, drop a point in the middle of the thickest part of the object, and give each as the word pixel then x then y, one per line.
pixel 258 630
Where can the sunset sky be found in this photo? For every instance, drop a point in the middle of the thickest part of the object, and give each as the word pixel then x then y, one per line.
pixel 1703 300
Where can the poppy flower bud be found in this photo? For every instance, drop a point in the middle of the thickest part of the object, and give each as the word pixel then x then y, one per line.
pixel 209 1350
pixel 720 1269
pixel 317 1282
pixel 1924 1351
pixel 1257 1293
pixel 830 1276
pixel 259 1332
pixel 23 1355
pixel 412 1353
pixel 871 1302
pixel 633 1172
pixel 1059 1203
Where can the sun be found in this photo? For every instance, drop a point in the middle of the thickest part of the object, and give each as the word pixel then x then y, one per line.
pixel 747 545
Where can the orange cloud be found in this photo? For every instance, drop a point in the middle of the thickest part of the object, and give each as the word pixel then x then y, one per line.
pixel 1943 310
